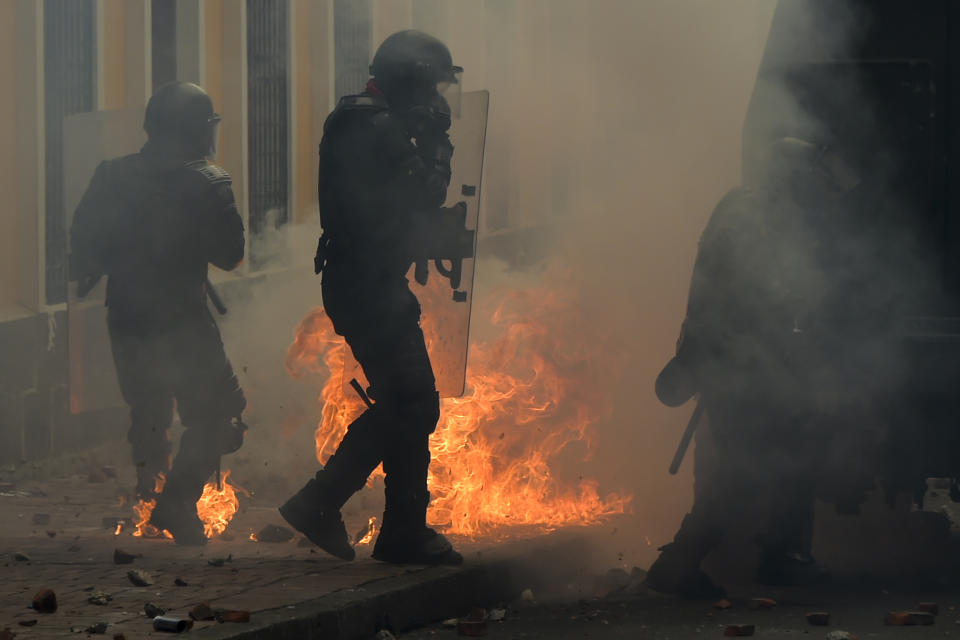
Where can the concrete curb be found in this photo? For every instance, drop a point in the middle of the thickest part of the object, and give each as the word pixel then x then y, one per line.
pixel 415 599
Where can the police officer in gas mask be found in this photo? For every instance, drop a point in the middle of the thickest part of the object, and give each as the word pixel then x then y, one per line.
pixel 384 171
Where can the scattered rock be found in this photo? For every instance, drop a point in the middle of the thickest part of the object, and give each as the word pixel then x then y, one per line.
pixel 51 533
pixel 100 598
pixel 202 612
pixel 219 562
pixel 152 610
pixel 122 557
pixel 474 624
pixel 41 518
pixel 723 604
pixel 28 623
pixel 450 623
pixel 45 601
pixel 527 595
pixel 763 603
pixel 929 607
pixel 497 615
pixel 227 615
pixel 908 618
pixel 274 533
pixel 180 582
pixel 841 635
pixel 818 618
pixel 98 628
pixel 20 556
pixel 738 630
pixel 139 578
pixel 384 634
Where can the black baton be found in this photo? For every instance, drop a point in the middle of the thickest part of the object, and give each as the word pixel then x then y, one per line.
pixel 687 437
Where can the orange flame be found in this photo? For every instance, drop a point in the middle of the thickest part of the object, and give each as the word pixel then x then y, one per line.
pixel 144 509
pixel 216 507
pixel 533 396
pixel 371 531
pixel 119 528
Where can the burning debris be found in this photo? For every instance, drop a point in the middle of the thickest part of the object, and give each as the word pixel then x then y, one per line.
pixel 531 394
pixel 216 508
pixel 366 534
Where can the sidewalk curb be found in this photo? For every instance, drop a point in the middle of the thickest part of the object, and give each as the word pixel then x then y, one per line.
pixel 414 599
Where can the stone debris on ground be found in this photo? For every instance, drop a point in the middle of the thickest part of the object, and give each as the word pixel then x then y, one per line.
pixel 274 533
pixel 929 607
pixel 98 628
pixel 841 635
pixel 231 615
pixel 122 557
pixel 100 598
pixel 908 618
pixel 527 595
pixel 20 556
pixel 762 603
pixel 738 630
pixel 44 601
pixel 497 615
pixel 723 604
pixel 384 634
pixel 474 624
pixel 28 623
pixel 139 578
pixel 202 611
pixel 152 611
pixel 219 562
pixel 180 582
pixel 818 618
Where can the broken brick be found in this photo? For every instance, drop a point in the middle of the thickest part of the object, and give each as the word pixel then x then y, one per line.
pixel 763 603
pixel 908 618
pixel 722 604
pixel 232 616
pixel 202 611
pixel 818 618
pixel 738 630
pixel 45 601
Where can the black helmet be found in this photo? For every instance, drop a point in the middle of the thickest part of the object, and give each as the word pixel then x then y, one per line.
pixel 413 65
pixel 183 111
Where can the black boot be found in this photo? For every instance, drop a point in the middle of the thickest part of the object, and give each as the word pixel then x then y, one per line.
pixel 176 509
pixel 323 526
pixel 180 518
pixel 677 572
pixel 314 511
pixel 790 569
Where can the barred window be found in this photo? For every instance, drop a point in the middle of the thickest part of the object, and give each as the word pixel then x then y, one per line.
pixel 68 32
pixel 352 25
pixel 267 121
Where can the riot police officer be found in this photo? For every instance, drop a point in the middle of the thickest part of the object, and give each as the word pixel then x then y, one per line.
pixel 152 222
pixel 755 349
pixel 384 170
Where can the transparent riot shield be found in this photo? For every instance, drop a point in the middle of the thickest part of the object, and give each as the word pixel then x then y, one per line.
pixel 90 138
pixel 446 310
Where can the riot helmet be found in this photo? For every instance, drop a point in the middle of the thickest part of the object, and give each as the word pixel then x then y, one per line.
pixel 182 113
pixel 414 69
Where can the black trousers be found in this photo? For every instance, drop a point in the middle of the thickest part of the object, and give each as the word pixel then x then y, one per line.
pixel 182 362
pixel 381 324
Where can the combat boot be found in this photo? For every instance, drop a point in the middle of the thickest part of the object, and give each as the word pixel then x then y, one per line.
pixel 677 572
pixel 180 518
pixel 405 537
pixel 311 512
pixel 790 569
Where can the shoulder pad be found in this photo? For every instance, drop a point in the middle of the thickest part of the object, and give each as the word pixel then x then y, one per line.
pixel 212 173
pixel 372 105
